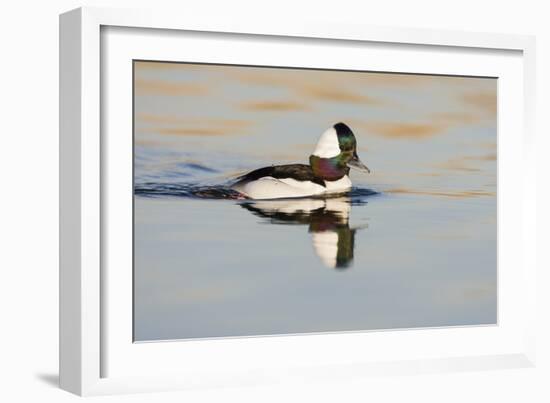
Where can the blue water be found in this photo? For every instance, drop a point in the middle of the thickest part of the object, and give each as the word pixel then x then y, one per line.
pixel 209 263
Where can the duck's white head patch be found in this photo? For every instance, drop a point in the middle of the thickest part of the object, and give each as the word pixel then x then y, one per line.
pixel 327 146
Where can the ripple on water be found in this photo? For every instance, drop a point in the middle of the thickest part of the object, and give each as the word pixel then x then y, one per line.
pixel 356 195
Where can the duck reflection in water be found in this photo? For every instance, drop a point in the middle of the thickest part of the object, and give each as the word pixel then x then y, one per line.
pixel 328 220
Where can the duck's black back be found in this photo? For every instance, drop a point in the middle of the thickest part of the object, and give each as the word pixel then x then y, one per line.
pixel 299 172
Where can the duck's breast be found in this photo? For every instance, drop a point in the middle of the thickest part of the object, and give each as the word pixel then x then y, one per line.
pixel 339 185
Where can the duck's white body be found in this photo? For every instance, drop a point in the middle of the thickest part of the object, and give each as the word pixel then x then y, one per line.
pixel 273 188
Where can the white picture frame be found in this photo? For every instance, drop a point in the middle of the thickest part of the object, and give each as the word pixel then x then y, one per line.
pixel 89 338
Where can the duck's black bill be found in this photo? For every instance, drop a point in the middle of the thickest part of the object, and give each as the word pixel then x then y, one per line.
pixel 356 163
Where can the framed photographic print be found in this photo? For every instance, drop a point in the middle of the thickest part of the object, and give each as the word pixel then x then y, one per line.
pixel 256 202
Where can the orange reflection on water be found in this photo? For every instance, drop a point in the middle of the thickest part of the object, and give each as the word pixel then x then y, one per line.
pixel 274 106
pixel 159 87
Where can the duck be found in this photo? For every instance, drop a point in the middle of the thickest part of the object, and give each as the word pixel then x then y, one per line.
pixel 327 171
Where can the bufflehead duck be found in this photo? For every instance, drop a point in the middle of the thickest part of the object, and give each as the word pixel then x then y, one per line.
pixel 327 171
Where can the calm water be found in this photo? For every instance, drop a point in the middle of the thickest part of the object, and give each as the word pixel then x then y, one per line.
pixel 413 244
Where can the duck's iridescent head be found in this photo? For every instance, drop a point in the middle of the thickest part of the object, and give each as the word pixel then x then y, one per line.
pixel 335 152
